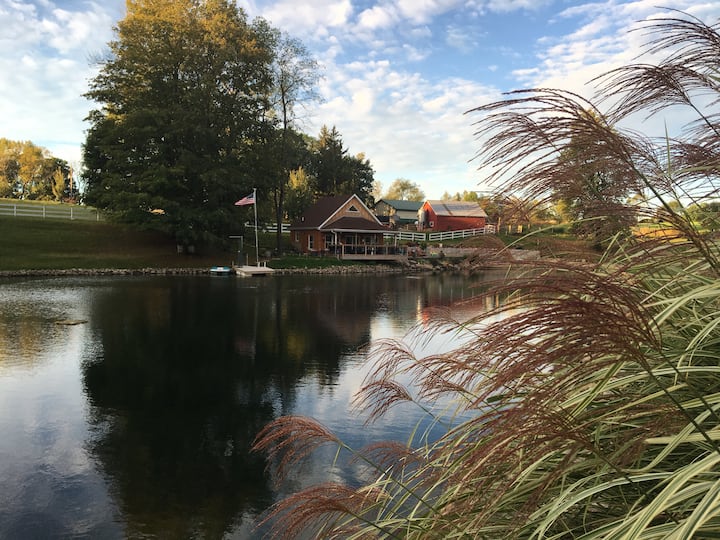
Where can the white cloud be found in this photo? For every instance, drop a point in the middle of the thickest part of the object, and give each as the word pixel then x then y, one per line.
pixel 407 126
pixel 506 6
pixel 423 11
pixel 309 18
pixel 378 17
pixel 45 70
pixel 460 38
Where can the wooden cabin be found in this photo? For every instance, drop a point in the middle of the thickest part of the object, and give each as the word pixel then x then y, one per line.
pixel 344 227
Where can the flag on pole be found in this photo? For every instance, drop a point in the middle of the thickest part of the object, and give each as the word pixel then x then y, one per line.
pixel 250 199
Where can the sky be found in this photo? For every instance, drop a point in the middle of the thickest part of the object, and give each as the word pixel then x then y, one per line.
pixel 397 76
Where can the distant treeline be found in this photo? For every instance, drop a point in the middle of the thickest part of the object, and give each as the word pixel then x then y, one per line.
pixel 30 172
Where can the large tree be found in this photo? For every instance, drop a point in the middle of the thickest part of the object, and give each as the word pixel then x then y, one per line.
pixel 295 74
pixel 182 97
pixel 337 172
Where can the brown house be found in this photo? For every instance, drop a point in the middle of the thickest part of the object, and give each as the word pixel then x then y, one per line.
pixel 344 227
pixel 451 216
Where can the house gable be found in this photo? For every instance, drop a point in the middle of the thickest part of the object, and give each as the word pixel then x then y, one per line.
pixel 353 208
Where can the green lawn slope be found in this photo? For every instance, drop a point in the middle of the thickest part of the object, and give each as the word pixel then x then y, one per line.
pixel 45 244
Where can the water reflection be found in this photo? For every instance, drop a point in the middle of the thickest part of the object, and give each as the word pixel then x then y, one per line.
pixel 138 423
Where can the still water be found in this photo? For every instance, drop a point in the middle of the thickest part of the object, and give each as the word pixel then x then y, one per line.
pixel 136 420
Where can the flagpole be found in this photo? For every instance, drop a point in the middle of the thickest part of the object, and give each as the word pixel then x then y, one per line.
pixel 257 251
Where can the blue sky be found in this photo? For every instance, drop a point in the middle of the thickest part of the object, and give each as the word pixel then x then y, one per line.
pixel 397 75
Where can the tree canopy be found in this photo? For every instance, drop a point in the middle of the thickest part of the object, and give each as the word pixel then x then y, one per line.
pixel 30 172
pixel 196 106
pixel 403 189
pixel 337 172
pixel 183 100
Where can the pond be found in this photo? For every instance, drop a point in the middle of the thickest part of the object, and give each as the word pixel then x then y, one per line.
pixel 128 404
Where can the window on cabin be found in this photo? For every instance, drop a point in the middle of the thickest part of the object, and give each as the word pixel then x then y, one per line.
pixel 311 242
pixel 353 208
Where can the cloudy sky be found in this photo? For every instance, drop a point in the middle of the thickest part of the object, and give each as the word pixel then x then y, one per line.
pixel 398 75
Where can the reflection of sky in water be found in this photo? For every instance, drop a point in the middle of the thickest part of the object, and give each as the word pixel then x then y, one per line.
pixel 333 407
pixel 51 487
pixel 51 483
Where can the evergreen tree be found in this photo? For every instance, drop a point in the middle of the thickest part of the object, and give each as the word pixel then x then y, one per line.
pixel 336 172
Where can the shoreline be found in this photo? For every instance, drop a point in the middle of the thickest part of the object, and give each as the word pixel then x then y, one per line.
pixel 331 270
pixel 414 266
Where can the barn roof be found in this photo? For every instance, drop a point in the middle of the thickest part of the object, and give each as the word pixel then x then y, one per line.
pixel 354 224
pixel 407 206
pixel 457 208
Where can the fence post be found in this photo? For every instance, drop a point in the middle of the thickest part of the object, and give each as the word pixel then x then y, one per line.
pixel 14 210
pixel 43 211
pixel 71 213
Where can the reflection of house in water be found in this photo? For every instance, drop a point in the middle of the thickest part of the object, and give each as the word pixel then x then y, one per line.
pixel 352 328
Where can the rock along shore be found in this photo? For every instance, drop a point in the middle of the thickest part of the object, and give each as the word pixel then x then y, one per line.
pixel 412 266
pixel 332 270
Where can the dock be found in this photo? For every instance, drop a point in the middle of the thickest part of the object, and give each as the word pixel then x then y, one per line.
pixel 259 270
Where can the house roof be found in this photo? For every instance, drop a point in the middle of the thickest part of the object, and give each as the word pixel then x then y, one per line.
pixel 355 224
pixel 409 206
pixel 457 208
pixel 319 215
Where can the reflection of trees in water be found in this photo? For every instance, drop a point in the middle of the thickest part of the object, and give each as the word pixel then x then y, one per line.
pixel 22 338
pixel 191 370
pixel 28 316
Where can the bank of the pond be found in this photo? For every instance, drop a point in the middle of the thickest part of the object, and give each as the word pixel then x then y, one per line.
pixel 330 270
pixel 433 265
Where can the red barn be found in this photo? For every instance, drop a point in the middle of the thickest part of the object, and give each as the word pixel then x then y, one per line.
pixel 451 216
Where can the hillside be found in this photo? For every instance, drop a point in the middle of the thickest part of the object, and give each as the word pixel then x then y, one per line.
pixel 37 244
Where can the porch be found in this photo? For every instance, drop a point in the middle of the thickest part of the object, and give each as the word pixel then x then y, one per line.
pixel 365 252
pixel 362 246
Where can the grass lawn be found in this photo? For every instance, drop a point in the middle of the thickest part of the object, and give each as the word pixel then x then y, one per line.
pixel 45 244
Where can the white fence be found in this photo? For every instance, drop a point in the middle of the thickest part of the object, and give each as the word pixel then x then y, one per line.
pixel 49 211
pixel 269 227
pixel 410 236
pixel 440 236
pixel 452 235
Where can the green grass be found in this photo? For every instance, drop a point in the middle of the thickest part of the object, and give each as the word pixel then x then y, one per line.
pixel 53 244
pixel 300 261
pixel 37 244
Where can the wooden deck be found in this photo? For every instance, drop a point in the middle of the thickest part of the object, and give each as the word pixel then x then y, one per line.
pixel 366 252
pixel 373 257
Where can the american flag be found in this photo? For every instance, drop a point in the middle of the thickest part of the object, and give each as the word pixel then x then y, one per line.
pixel 250 199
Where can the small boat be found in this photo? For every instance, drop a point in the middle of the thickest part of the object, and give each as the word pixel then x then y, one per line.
pixel 220 271
pixel 259 270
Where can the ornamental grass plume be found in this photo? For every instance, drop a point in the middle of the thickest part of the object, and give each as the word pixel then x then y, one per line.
pixel 586 405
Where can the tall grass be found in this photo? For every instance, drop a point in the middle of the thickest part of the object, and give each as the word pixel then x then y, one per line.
pixel 591 405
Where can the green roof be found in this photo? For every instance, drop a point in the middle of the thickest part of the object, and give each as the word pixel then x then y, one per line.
pixel 407 206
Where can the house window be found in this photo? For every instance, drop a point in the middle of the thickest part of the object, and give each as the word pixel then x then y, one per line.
pixel 297 236
pixel 353 208
pixel 432 224
pixel 311 242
